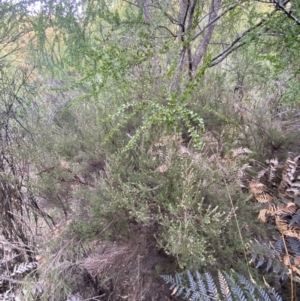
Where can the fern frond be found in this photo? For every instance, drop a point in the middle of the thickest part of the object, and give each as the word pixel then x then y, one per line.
pixel 279 245
pixel 228 288
pixel 264 294
pixel 266 257
pixel 192 282
pixel 294 244
pixel 224 287
pixel 272 174
pixel 269 267
pixel 241 151
pixel 296 218
pixel 289 182
pixel 275 295
pixel 262 173
pixel 261 261
pixel 176 282
pixel 260 192
pixel 192 292
pixel 201 286
pixel 296 200
pixel 212 289
pixel 167 278
pixel 249 287
pixel 23 268
pixel 261 253
pixel 242 175
pixel 235 288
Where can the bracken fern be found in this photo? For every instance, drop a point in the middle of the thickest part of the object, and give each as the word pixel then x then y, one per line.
pixel 233 287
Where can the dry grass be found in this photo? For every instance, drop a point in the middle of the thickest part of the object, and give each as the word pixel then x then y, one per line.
pixel 129 270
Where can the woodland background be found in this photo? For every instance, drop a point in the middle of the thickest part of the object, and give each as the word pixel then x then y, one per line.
pixel 149 142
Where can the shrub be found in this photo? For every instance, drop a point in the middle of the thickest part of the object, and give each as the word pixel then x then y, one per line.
pixel 177 196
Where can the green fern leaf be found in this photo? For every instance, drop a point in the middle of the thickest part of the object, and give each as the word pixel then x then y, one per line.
pixel 236 290
pixel 247 284
pixel 212 289
pixel 200 283
pixel 275 295
pixel 264 294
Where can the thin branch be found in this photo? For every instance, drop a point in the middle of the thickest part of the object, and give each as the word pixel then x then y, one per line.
pixel 146 11
pixel 281 6
pixel 12 280
pixel 188 28
pixel 184 8
pixel 166 28
pixel 131 3
pixel 174 21
pixel 231 7
pixel 219 57
pixel 215 6
pixel 191 14
pixel 216 62
pixel 175 80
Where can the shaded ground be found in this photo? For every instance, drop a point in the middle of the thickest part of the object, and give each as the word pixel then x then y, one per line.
pixel 129 271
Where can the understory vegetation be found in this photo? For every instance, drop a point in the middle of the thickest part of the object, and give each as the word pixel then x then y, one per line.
pixel 148 145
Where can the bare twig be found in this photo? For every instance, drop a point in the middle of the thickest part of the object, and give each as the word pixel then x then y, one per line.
pixel 221 56
pixel 231 7
pixel 282 7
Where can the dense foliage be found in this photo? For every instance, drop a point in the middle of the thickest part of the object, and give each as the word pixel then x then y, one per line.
pixel 130 131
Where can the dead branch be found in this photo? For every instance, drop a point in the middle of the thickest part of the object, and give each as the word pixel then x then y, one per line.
pixel 231 7
pixel 282 7
pixel 234 44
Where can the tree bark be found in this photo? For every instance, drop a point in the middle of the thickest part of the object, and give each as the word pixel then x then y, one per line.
pixel 200 52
